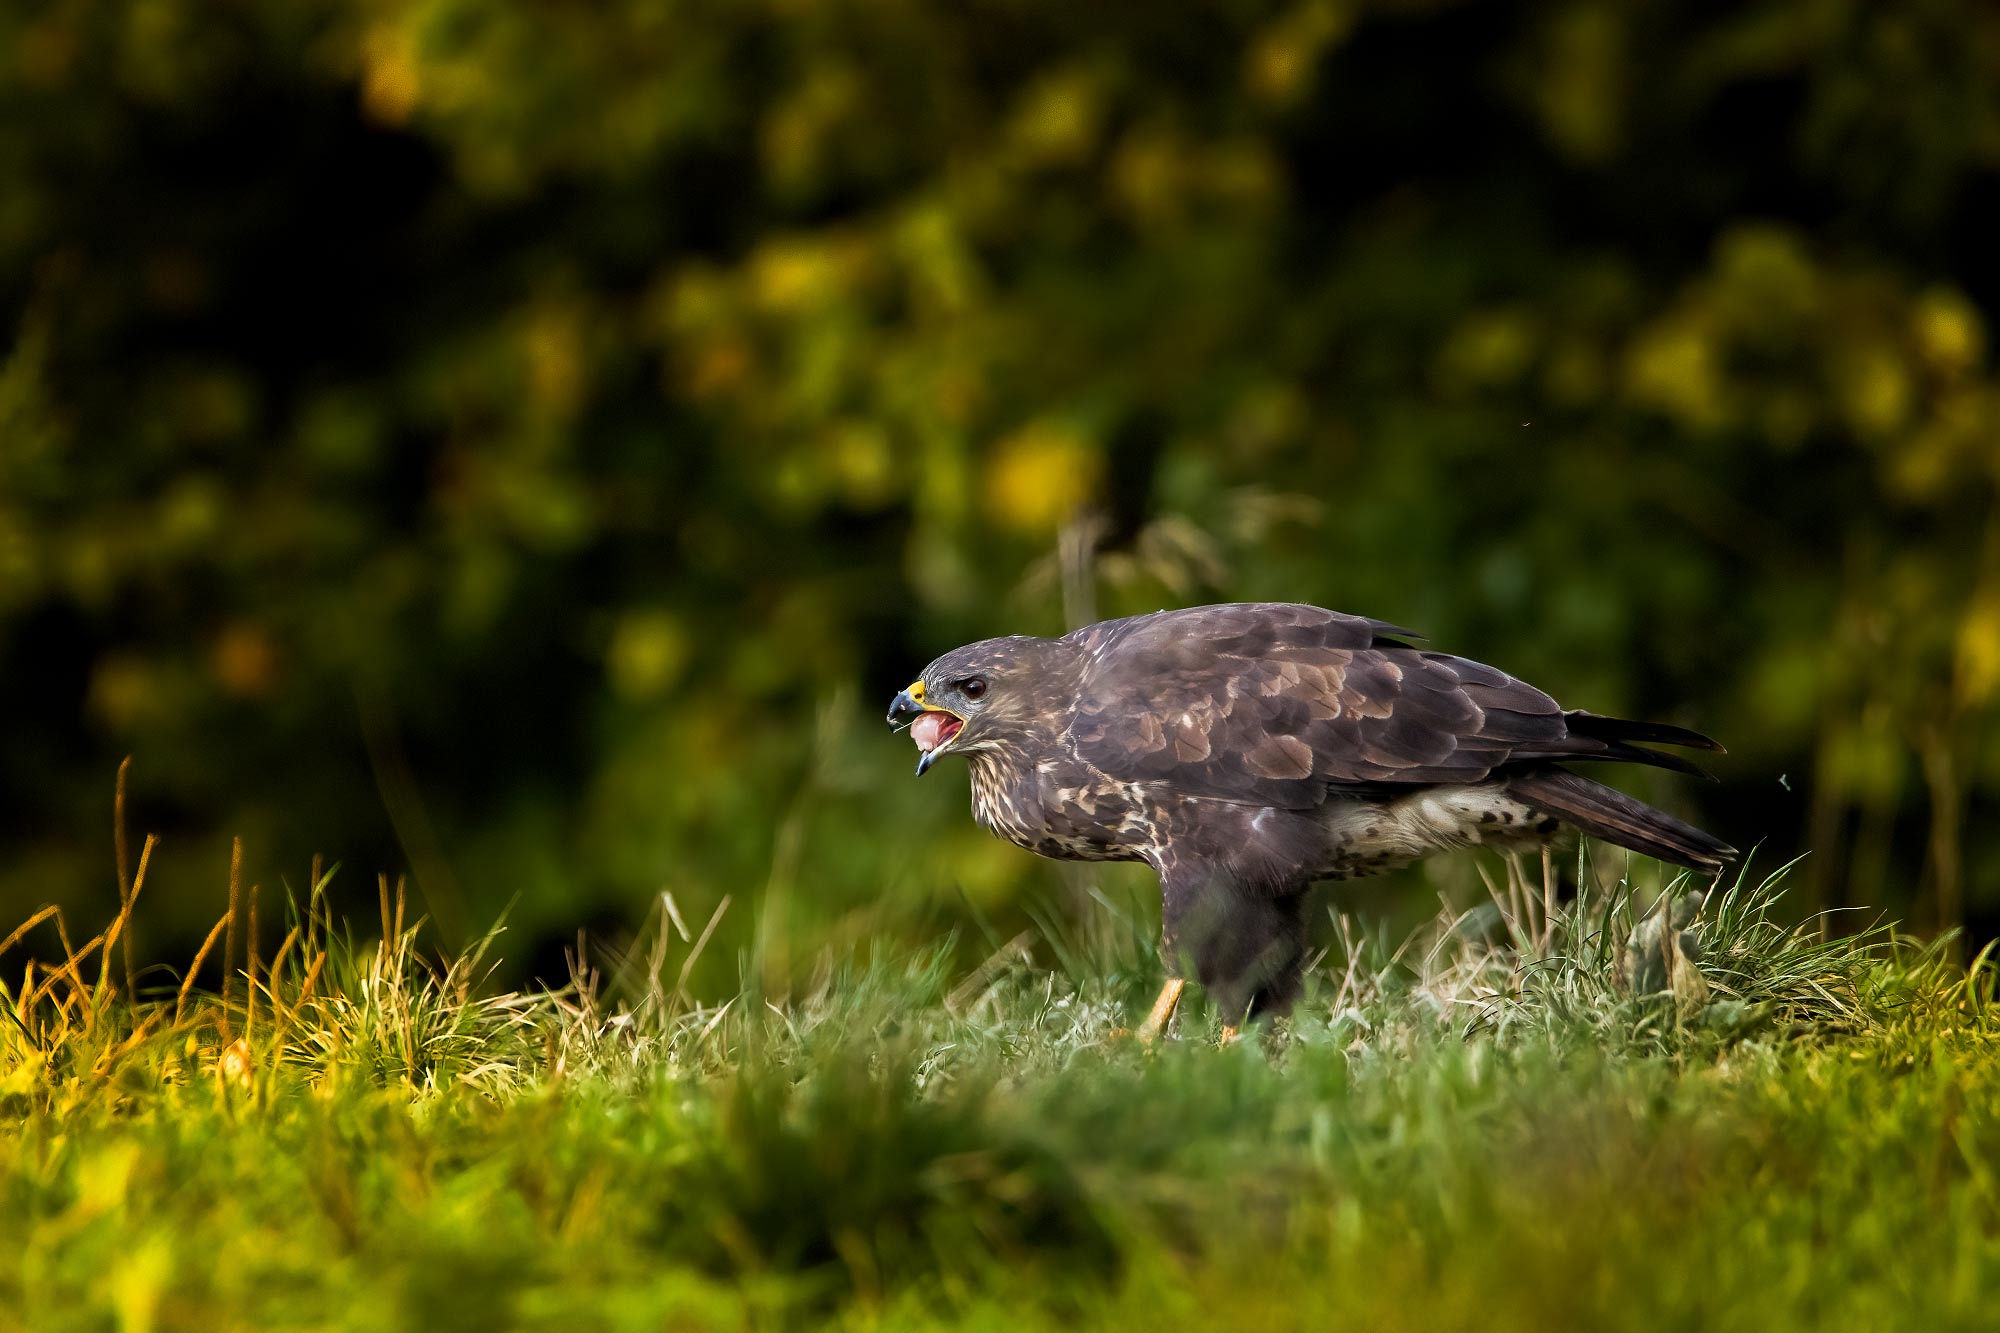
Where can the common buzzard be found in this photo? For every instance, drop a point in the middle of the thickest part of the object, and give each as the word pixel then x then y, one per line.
pixel 1245 751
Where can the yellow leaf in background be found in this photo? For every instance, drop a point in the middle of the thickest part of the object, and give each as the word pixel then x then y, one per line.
pixel 1952 447
pixel 864 461
pixel 1148 175
pixel 791 275
pixel 191 511
pixel 694 298
pixel 801 132
pixel 1948 331
pixel 1765 278
pixel 1039 476
pixel 1056 119
pixel 1582 81
pixel 1924 463
pixel 648 651
pixel 1874 389
pixel 1488 347
pixel 1672 367
pixel 797 274
pixel 1979 648
pixel 937 259
pixel 1279 66
pixel 389 83
pixel 552 343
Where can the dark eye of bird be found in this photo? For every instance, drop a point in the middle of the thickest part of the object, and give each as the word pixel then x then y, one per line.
pixel 972 687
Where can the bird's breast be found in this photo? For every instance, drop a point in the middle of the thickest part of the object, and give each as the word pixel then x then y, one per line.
pixel 1057 813
pixel 993 803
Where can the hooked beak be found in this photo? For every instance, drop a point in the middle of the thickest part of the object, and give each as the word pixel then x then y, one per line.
pixel 904 708
pixel 907 707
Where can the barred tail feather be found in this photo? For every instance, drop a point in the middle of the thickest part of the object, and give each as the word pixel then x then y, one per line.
pixel 1607 813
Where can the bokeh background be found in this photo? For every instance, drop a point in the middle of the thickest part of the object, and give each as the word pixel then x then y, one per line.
pixel 526 444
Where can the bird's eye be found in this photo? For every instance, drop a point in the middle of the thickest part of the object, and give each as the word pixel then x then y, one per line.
pixel 972 687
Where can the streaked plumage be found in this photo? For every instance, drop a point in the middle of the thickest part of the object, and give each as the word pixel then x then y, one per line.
pixel 1247 750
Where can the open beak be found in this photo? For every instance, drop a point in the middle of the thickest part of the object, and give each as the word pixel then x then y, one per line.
pixel 939 726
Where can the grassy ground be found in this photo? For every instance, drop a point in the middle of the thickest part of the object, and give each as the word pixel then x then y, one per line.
pixel 1589 1122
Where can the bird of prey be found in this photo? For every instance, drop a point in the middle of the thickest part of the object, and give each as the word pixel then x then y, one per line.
pixel 1248 750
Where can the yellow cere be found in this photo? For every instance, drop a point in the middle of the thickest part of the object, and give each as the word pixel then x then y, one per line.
pixel 916 691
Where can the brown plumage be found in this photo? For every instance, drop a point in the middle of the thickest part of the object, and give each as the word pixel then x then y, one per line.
pixel 1246 751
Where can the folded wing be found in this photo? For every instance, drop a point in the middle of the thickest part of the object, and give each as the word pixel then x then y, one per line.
pixel 1284 705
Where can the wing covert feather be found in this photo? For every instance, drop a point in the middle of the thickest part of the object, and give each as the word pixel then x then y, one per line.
pixel 1279 704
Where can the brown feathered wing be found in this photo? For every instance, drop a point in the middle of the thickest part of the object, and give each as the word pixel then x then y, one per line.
pixel 1283 705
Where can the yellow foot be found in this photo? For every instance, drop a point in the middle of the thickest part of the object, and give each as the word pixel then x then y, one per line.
pixel 1163 1011
pixel 1229 1035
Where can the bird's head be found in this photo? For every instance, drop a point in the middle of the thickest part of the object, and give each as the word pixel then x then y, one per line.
pixel 981 697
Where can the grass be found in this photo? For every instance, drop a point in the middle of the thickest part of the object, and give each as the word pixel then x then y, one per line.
pixel 1596 1117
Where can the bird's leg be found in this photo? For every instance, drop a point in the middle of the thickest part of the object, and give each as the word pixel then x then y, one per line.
pixel 1230 1032
pixel 1163 1010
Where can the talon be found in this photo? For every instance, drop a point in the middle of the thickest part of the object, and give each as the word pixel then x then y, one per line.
pixel 1230 1033
pixel 1162 1012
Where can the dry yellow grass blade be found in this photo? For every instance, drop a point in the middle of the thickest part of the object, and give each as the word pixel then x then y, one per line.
pixel 250 971
pixel 233 920
pixel 120 930
pixel 194 969
pixel 70 971
pixel 14 937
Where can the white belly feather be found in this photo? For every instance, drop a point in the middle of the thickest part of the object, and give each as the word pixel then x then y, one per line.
pixel 1368 836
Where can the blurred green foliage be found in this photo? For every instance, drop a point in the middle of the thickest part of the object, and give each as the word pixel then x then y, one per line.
pixel 529 442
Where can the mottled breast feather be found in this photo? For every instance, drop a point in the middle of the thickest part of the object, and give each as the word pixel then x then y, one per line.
pixel 1281 704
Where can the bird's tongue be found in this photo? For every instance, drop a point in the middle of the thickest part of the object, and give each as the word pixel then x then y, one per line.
pixel 933 729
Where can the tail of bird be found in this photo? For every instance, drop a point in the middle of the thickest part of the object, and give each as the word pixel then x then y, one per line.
pixel 1607 813
pixel 1595 736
